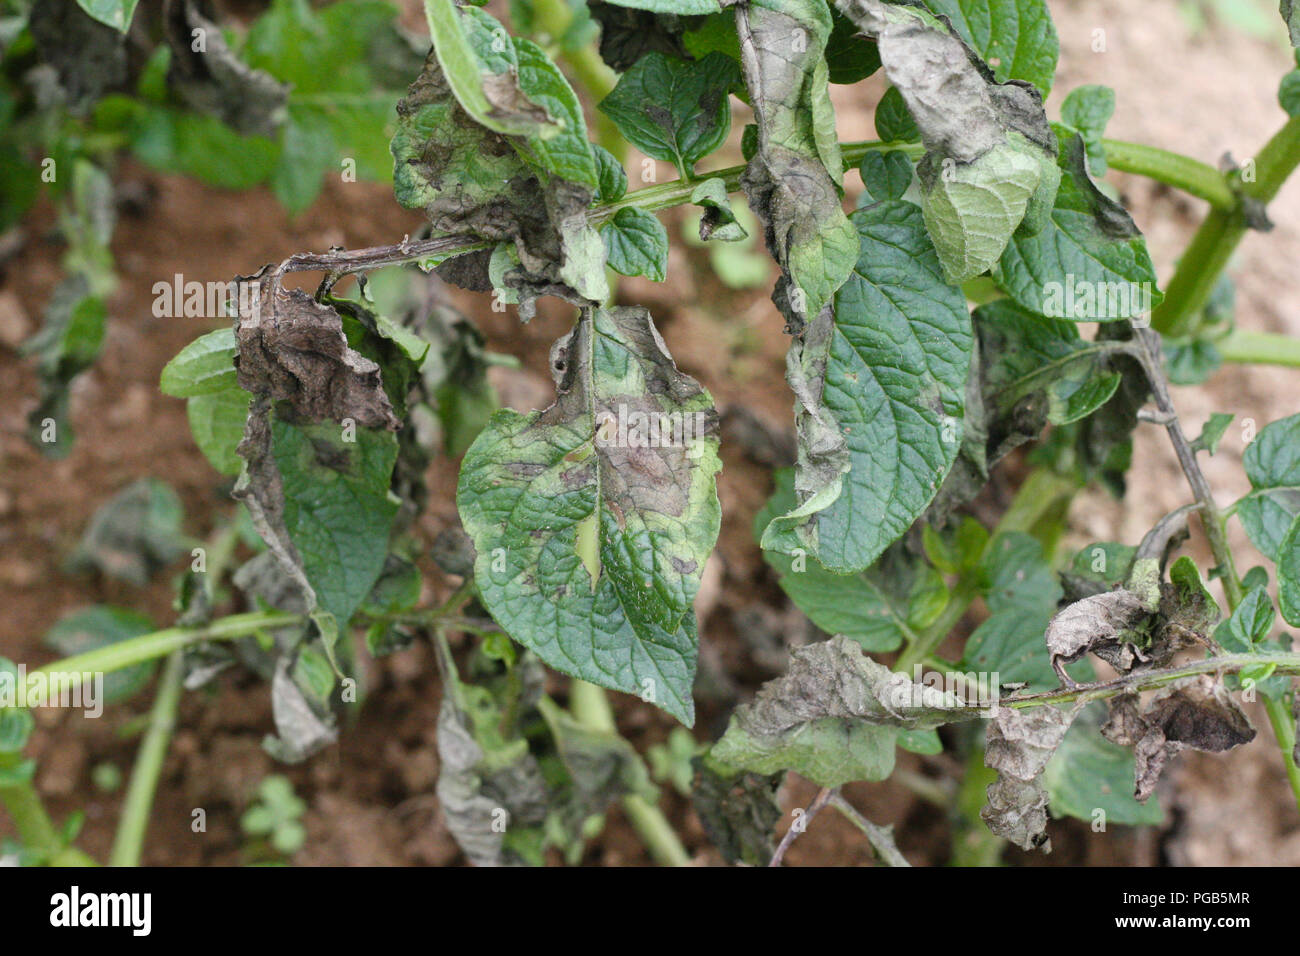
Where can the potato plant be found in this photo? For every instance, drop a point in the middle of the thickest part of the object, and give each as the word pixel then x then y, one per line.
pixel 986 295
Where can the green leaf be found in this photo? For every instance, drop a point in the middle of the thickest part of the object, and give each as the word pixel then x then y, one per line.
pixel 591 529
pixel 1250 623
pixel 99 626
pixel 204 367
pixel 611 177
pixel 308 152
pixel 679 7
pixel 337 507
pixel 1210 436
pixel 1088 773
pixel 1041 369
pixel 1088 109
pixel 885 176
pixel 1288 93
pixel 833 717
pixel 894 121
pixel 850 57
pixel 1015 37
pixel 859 606
pixel 971 209
pixel 1288 575
pixel 1022 598
pixel 1191 363
pixel 113 13
pixel 1272 463
pixel 896 361
pixel 217 424
pixel 636 244
pixel 674 110
pixel 1089 262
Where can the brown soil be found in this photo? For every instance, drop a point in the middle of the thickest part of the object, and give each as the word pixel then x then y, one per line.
pixel 371 798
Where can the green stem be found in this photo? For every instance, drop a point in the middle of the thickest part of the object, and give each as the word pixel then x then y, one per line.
pixel 1182 172
pixel 129 841
pixel 1259 348
pixel 591 708
pixel 1216 239
pixel 147 647
pixel 1284 729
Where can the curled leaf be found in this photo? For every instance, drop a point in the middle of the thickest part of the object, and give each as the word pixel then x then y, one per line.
pixel 1018 746
pixel 1110 625
pixel 1195 713
pixel 834 717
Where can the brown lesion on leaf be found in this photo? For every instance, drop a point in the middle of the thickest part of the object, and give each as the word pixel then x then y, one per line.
pixel 292 349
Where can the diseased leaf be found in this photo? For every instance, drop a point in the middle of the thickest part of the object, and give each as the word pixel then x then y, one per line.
pixel 792 181
pixel 833 718
pixel 1018 746
pixel 628 34
pixel 1194 713
pixel 134 535
pixel 739 812
pixel 718 221
pixel 989 151
pixel 882 392
pixel 486 91
pixel 303 725
pixel 674 110
pixel 1290 11
pixel 1272 463
pixel 318 446
pixel 636 244
pixel 215 81
pixel 593 519
pixel 1111 625
pixel 1015 37
pixel 1038 371
pixel 1089 773
pixel 1089 262
pixel 487 776
pixel 529 191
pixel 602 768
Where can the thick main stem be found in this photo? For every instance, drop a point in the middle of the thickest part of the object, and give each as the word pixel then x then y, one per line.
pixel 1210 249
